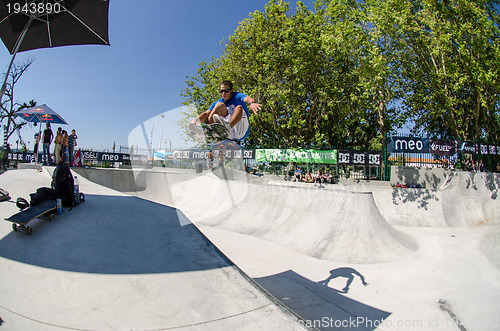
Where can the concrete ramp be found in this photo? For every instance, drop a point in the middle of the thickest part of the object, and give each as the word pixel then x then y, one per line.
pixel 471 199
pixel 325 224
pixel 408 206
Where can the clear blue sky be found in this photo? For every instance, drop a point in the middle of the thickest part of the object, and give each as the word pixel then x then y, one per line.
pixel 104 92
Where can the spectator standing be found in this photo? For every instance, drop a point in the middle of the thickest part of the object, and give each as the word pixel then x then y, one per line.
pixel 64 143
pixel 220 158
pixel 58 146
pixel 71 145
pixel 47 137
pixel 35 147
pixel 210 158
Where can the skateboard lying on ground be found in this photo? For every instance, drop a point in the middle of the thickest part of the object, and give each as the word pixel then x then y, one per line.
pixel 44 209
pixel 212 133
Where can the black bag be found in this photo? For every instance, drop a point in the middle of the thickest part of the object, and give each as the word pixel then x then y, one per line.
pixel 63 184
pixel 42 194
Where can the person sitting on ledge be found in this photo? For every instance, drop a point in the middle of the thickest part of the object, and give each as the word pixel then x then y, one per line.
pixel 309 177
pixel 319 177
pixel 298 175
pixel 328 178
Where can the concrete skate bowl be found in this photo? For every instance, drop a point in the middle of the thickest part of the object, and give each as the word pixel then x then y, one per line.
pixel 325 224
pixel 409 206
pixel 471 199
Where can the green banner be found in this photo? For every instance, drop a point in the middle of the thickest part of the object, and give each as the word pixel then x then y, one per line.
pixel 292 155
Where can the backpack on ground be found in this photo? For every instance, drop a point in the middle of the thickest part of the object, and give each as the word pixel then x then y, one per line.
pixel 42 194
pixel 63 184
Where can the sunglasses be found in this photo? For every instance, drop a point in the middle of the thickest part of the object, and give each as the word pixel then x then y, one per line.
pixel 225 91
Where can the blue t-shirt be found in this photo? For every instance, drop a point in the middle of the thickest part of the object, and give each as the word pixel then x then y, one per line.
pixel 231 104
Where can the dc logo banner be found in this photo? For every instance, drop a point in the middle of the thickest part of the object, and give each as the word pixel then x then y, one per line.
pixel 344 157
pixel 374 159
pixel 358 158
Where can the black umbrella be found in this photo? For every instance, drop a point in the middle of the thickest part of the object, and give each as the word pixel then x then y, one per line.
pixel 32 24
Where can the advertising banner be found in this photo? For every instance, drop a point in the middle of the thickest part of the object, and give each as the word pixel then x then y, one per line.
pixel 300 156
pixel 105 157
pixel 23 157
pixel 490 150
pixel 408 145
pixel 360 158
pixel 201 154
pixel 443 147
pixel 466 147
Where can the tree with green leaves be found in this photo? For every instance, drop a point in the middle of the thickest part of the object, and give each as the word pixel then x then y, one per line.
pixel 350 72
pixel 450 53
pixel 302 68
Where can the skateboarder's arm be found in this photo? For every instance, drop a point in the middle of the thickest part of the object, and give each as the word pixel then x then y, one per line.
pixel 255 107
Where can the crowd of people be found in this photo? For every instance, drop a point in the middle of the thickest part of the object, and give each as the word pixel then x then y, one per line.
pixel 308 177
pixel 211 157
pixel 478 166
pixel 64 146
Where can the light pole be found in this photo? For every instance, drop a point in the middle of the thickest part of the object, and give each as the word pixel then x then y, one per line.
pixel 161 132
pixel 170 141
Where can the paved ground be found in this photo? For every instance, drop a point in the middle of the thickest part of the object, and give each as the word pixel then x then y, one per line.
pixel 301 243
pixel 119 262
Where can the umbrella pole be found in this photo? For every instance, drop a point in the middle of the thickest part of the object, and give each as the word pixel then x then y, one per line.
pixel 18 44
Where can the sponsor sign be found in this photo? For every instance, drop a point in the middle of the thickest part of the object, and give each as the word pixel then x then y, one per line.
pixel 490 150
pixel 199 154
pixel 466 147
pixel 408 145
pixel 23 157
pixel 360 158
pixel 442 147
pixel 291 155
pixel 105 157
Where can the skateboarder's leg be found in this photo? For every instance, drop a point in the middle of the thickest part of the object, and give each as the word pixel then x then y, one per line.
pixel 237 115
pixel 349 281
pixel 219 109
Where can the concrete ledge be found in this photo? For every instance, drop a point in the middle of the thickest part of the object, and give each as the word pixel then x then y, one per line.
pixel 28 166
pixel 432 178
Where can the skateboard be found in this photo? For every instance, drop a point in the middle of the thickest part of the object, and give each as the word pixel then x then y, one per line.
pixel 212 133
pixel 20 220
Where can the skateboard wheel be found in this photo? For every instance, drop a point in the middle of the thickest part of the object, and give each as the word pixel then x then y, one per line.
pixel 14 227
pixel 51 217
pixel 29 230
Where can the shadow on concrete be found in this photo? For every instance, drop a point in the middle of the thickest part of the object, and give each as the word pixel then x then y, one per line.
pixel 421 196
pixel 115 235
pixel 321 306
pixel 345 272
pixel 492 183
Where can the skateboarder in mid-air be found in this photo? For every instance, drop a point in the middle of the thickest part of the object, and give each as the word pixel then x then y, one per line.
pixel 230 111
